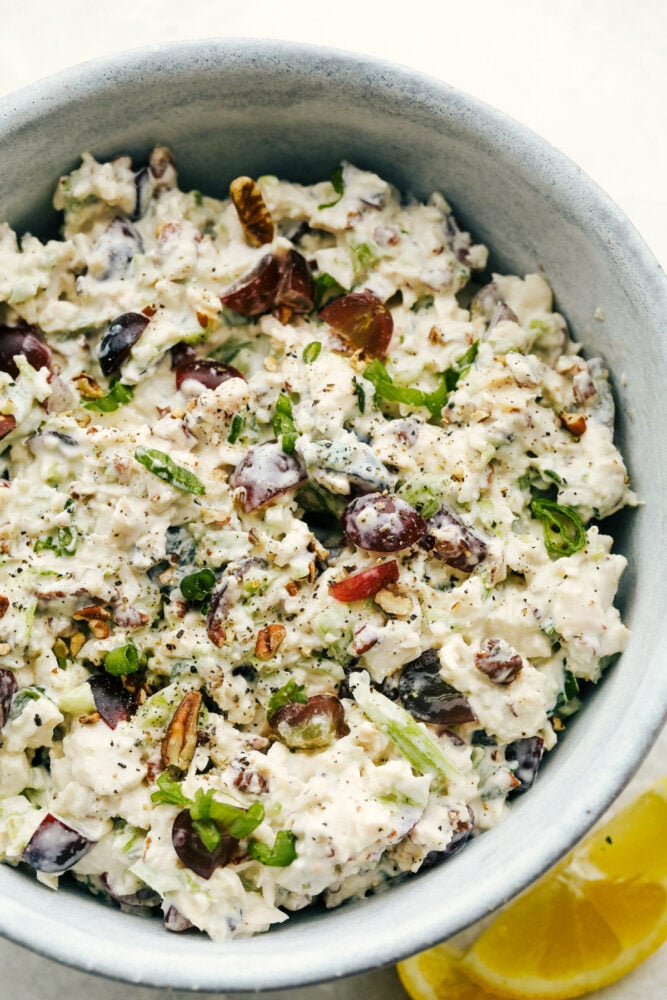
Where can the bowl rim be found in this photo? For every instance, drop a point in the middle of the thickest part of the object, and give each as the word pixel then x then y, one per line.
pixel 22 922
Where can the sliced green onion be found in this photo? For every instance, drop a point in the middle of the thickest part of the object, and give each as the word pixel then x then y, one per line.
pixel 164 467
pixel 415 743
pixel 326 287
pixel 64 544
pixel 283 424
pixel 118 395
pixel 338 185
pixel 236 427
pixel 197 586
pixel 286 695
pixel 210 817
pixel 282 854
pixel 360 394
pixel 311 352
pixel 564 531
pixel 122 660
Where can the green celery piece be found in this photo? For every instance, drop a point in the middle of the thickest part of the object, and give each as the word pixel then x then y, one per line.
pixel 164 467
pixel 282 854
pixel 416 744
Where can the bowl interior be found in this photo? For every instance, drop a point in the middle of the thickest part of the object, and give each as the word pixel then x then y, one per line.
pixel 232 107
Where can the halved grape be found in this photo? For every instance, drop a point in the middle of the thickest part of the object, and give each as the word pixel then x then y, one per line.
pixel 428 697
pixel 317 723
pixel 296 289
pixel 8 688
pixel 175 922
pixel 379 522
pixel 181 353
pixel 25 340
pixel 121 336
pixel 7 425
pixel 527 753
pixel 145 896
pixel 112 700
pixel 191 850
pixel 209 373
pixel 453 541
pixel 55 847
pixel 365 583
pixel 264 473
pixel 362 320
pixel 255 293
pixel 463 824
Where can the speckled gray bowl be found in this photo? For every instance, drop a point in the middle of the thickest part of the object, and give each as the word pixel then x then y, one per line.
pixel 230 107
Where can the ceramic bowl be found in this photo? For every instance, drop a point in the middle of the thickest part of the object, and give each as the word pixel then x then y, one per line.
pixel 245 106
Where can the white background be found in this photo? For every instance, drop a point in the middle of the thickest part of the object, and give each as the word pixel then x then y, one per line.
pixel 588 75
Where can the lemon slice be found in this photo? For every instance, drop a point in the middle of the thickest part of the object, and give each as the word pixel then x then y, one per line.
pixel 594 917
pixel 436 974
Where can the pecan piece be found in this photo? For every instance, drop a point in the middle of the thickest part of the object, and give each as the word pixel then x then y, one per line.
pixel 87 386
pixel 99 628
pixel 93 612
pixel 76 643
pixel 252 211
pixel 4 605
pixel 575 423
pixel 498 661
pixel 180 742
pixel 269 641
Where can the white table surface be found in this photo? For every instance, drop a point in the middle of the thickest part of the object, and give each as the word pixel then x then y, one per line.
pixel 588 75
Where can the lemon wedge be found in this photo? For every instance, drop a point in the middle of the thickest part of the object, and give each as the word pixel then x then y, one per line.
pixel 589 921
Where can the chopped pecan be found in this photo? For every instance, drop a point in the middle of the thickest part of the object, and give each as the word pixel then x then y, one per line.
pixel 7 425
pixel 291 587
pixel 160 161
pixel 87 386
pixel 180 742
pixel 93 612
pixel 76 643
pixel 498 661
pixel 99 628
pixel 393 602
pixel 90 720
pixel 575 423
pixel 252 211
pixel 269 641
pixel 4 605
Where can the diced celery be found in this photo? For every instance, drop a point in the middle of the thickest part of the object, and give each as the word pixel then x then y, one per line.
pixel 78 700
pixel 416 744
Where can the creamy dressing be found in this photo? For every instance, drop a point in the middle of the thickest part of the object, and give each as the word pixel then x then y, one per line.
pixel 118 486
